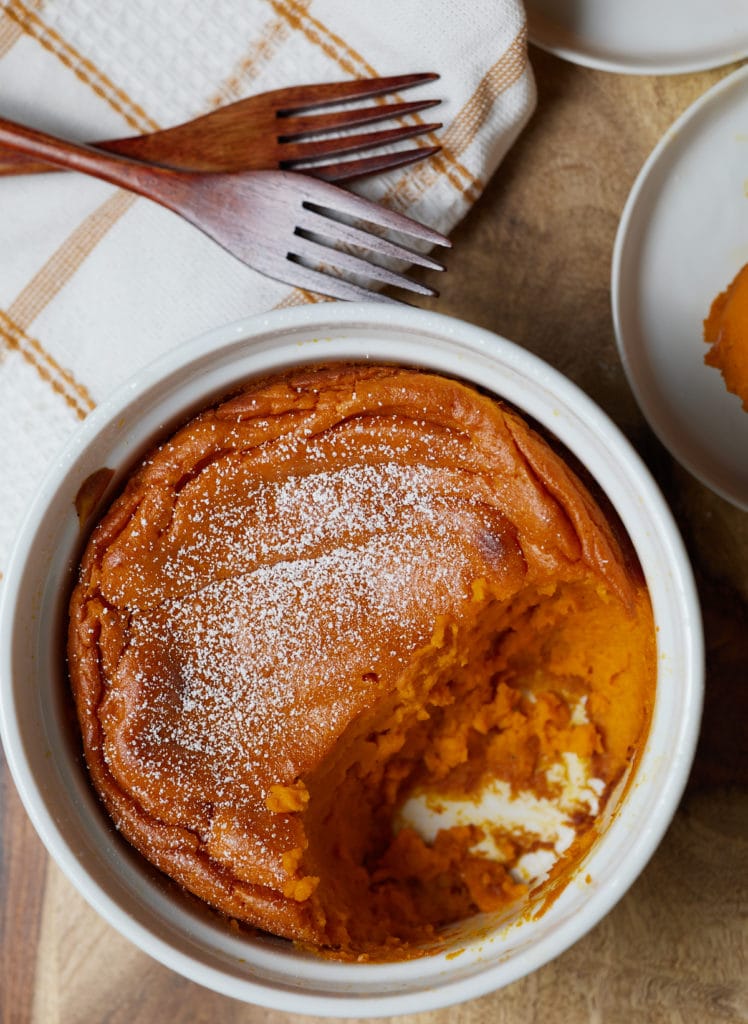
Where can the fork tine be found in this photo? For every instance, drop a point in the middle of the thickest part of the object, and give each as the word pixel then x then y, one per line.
pixel 316 221
pixel 299 98
pixel 293 152
pixel 322 252
pixel 344 202
pixel 350 170
pixel 328 284
pixel 315 124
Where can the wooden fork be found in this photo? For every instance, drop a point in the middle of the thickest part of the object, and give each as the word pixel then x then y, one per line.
pixel 272 131
pixel 284 224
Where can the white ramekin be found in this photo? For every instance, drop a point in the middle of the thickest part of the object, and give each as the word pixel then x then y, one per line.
pixel 44 754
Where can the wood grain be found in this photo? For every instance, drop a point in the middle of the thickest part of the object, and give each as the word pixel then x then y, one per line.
pixel 532 262
pixel 258 133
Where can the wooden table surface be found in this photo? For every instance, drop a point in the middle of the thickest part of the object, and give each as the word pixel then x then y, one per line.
pixel 532 262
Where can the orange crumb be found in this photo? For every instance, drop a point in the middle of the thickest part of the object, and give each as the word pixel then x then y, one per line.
pixel 287 799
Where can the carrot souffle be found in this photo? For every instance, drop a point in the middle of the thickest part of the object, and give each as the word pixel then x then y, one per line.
pixel 357 656
pixel 726 332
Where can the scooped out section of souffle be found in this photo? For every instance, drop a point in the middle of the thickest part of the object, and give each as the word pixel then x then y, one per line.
pixel 356 656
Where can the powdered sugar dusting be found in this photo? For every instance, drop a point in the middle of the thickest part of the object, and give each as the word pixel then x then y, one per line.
pixel 268 660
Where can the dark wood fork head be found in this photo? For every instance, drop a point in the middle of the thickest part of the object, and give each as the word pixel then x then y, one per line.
pixel 296 122
pixel 313 235
pixel 279 129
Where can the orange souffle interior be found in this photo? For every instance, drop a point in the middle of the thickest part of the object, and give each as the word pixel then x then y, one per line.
pixel 342 590
pixel 726 331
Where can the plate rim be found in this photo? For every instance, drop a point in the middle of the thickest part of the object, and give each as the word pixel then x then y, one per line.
pixel 537 22
pixel 675 131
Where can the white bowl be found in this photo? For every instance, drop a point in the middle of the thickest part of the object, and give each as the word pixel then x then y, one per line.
pixel 43 750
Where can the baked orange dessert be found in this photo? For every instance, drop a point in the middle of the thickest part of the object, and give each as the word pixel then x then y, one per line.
pixel 726 331
pixel 356 656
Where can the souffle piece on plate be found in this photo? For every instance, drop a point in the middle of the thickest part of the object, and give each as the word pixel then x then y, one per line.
pixel 356 656
pixel 726 331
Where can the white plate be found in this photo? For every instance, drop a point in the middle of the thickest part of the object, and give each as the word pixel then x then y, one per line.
pixel 662 37
pixel 682 238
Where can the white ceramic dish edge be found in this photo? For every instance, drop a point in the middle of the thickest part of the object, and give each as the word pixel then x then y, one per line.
pixel 630 66
pixel 462 980
pixel 544 34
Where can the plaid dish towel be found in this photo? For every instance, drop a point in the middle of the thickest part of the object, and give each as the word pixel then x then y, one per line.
pixel 95 283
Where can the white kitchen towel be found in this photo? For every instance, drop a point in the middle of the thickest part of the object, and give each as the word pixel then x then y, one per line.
pixel 95 283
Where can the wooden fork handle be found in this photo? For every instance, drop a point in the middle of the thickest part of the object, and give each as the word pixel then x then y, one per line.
pixel 158 183
pixel 21 163
pixel 180 147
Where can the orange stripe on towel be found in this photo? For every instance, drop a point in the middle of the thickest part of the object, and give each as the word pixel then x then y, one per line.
pixel 68 257
pixel 260 53
pixel 10 30
pixel 60 380
pixel 82 67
